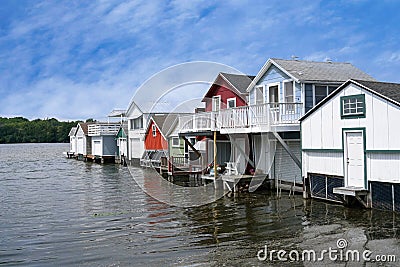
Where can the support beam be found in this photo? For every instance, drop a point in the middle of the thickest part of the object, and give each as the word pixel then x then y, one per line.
pixel 215 155
pixel 286 147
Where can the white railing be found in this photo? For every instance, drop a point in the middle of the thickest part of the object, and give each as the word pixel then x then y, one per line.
pixel 204 121
pixel 103 129
pixel 263 115
pixel 269 114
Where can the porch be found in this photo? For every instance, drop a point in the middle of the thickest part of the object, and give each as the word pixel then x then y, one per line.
pixel 267 117
pixel 103 129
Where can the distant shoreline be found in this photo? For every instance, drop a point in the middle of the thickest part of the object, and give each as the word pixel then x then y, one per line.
pixel 21 130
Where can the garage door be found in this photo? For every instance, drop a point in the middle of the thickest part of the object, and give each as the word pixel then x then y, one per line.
pixel 285 168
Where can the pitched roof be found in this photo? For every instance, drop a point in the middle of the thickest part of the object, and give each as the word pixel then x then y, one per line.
pixel 388 91
pixel 72 131
pixel 304 70
pixel 166 123
pixel 84 126
pixel 239 81
pixel 313 71
pixel 117 113
pixel 123 129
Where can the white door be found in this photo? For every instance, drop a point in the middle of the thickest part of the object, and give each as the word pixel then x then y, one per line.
pixel 136 148
pixel 80 145
pixel 97 148
pixel 354 159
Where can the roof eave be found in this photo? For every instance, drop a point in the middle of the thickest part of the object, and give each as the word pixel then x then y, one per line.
pixel 326 99
pixel 264 69
pixel 238 93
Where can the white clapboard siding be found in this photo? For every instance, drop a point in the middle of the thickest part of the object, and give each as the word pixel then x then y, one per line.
pixel 383 167
pixel 330 163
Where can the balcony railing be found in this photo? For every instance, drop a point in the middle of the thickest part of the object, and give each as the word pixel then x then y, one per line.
pixel 103 129
pixel 263 115
pixel 204 121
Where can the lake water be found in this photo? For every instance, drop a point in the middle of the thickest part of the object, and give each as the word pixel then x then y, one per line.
pixel 56 211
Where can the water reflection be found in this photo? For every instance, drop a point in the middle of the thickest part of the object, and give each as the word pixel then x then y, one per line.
pixel 79 213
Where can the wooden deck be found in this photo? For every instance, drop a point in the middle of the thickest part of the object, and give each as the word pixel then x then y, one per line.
pixel 233 183
pixel 350 191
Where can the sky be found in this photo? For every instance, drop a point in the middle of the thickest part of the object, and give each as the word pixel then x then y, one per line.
pixel 80 59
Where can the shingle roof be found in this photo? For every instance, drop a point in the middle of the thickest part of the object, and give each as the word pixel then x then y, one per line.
pixel 322 71
pixel 166 122
pixel 84 127
pixel 240 82
pixel 389 90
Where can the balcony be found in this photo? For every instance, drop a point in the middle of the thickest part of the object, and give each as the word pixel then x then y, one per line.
pixel 103 129
pixel 256 118
pixel 198 122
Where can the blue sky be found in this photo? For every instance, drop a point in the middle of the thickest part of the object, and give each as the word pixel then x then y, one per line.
pixel 80 59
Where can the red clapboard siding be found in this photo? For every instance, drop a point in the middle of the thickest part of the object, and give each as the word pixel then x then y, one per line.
pixel 157 142
pixel 225 93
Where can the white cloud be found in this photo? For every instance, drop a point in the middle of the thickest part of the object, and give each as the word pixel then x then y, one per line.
pixel 79 59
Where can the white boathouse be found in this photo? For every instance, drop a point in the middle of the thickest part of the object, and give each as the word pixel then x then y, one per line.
pixel 351 145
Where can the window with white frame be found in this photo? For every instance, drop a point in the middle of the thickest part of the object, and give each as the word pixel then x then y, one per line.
pixel 352 106
pixel 154 130
pixel 138 123
pixel 259 93
pixel 288 91
pixel 175 142
pixel 216 103
pixel 231 102
pixel 273 93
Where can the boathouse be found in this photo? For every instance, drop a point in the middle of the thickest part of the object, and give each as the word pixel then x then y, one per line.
pixel 351 145
pixel 83 141
pixel 162 142
pixel 72 142
pixel 138 116
pixel 281 93
pixel 103 141
pixel 227 92
pixel 122 144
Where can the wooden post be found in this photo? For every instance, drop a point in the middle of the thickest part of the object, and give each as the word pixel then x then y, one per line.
pixel 215 155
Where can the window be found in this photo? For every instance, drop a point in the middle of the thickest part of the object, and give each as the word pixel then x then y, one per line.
pixel 273 94
pixel 352 106
pixel 289 94
pixel 231 103
pixel 138 123
pixel 154 130
pixel 259 95
pixel 321 91
pixel 175 142
pixel 216 103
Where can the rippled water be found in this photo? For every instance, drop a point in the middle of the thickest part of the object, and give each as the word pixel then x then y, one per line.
pixel 57 211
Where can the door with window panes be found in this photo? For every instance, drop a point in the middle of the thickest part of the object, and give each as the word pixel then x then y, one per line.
pixel 273 98
pixel 289 106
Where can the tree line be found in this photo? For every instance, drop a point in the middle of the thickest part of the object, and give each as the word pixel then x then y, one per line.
pixel 22 130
